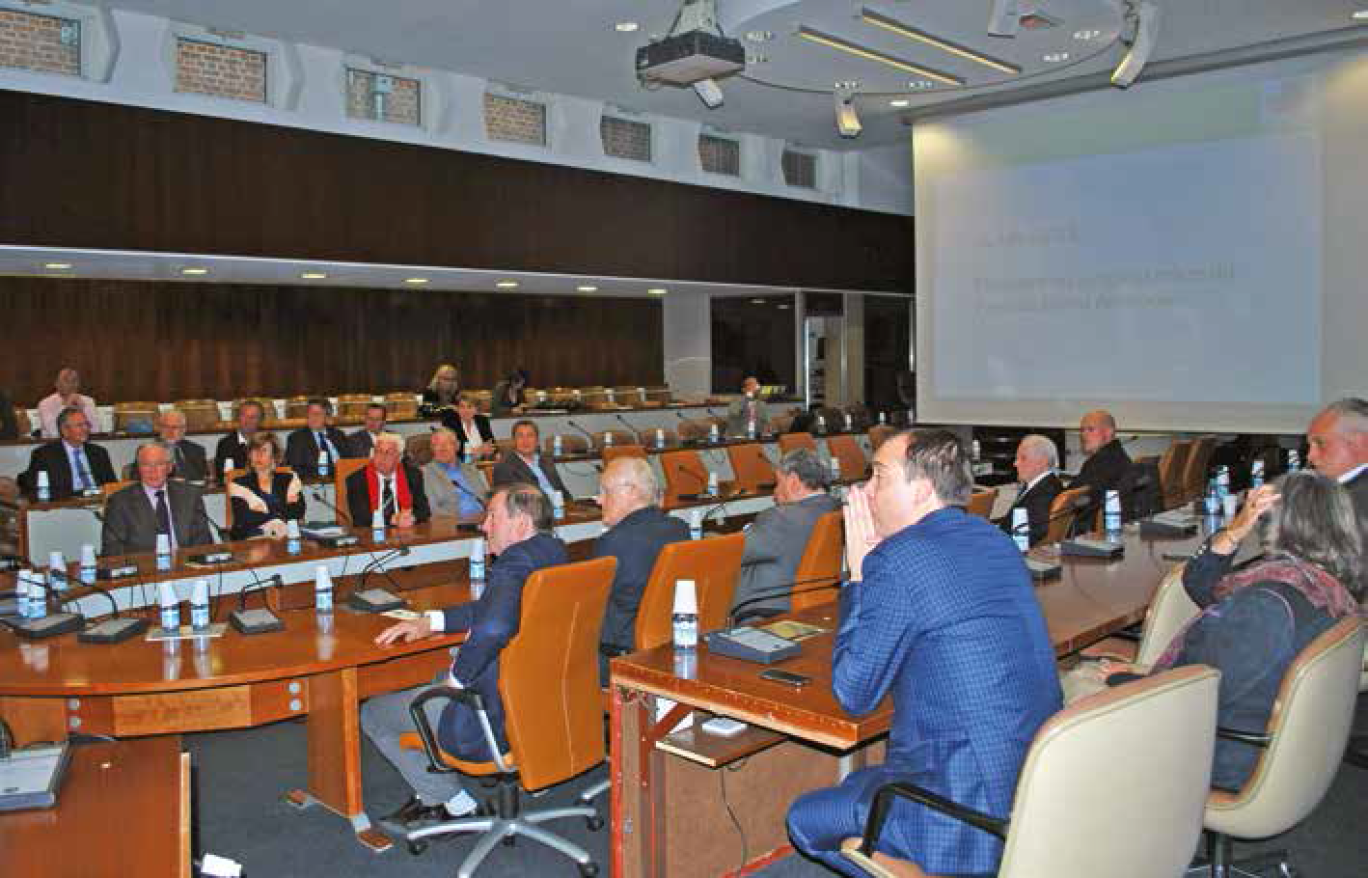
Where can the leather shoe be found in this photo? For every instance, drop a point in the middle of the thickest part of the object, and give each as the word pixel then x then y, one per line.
pixel 413 814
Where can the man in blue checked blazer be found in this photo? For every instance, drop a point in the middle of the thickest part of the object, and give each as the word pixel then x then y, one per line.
pixel 940 615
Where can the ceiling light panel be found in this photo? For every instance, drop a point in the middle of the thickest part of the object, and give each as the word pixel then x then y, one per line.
pixel 869 54
pixel 907 31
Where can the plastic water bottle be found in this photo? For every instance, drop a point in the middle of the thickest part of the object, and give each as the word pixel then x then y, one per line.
pixel 821 425
pixel 1111 515
pixel 608 395
pixel 660 438
pixel 38 596
pixel 685 618
pixel 170 607
pixel 976 450
pixel 199 605
pixel 1293 460
pixel 88 571
pixel 1213 499
pixel 849 422
pixel 712 484
pixel 750 429
pixel 323 464
pixel 558 505
pixel 1223 482
pixel 607 438
pixel 696 524
pixel 57 572
pixel 44 487
pixel 1256 474
pixel 228 467
pixel 557 445
pixel 378 525
pixel 883 418
pixel 292 539
pixel 835 465
pixel 1021 529
pixel 323 589
pixel 163 551
pixel 1230 504
pixel 23 595
pixel 712 433
pixel 477 567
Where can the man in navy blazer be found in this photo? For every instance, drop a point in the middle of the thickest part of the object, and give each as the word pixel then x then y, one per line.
pixel 518 527
pixel 939 615
pixel 1036 462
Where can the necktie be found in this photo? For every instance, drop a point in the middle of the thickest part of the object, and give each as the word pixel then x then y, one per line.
pixel 324 446
pixel 82 471
pixel 387 501
pixel 179 460
pixel 163 514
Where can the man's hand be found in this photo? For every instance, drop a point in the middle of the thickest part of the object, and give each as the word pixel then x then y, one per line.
pixel 860 533
pixel 403 518
pixel 405 632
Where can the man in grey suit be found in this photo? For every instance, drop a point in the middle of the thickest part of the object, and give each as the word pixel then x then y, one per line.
pixel 750 407
pixel 452 487
pixel 776 539
pixel 525 463
pixel 155 505
pixel 188 459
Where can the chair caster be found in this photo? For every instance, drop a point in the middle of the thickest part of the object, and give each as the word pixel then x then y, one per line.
pixel 588 870
pixel 417 847
pixel 594 823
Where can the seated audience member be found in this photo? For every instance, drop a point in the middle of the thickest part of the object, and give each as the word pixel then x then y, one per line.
pixel 749 408
pixel 263 499
pixel 67 395
pixel 637 529
pixel 1256 618
pixel 136 515
pixel 1036 462
pixel 233 447
pixel 440 394
pixel 518 529
pixel 1338 438
pixel 9 423
pixel 188 460
pixel 1107 463
pixel 775 540
pixel 317 436
pixel 73 463
pixel 525 462
pixel 474 438
pixel 940 616
pixel 508 394
pixel 452 487
pixel 388 484
pixel 362 442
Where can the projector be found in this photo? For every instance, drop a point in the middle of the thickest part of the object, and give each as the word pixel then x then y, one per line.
pixel 683 59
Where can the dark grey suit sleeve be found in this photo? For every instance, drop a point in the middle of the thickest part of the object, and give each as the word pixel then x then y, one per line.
pixel 117 530
pixel 200 533
pixel 764 539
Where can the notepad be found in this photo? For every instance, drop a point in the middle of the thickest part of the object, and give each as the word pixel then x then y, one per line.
pixel 30 777
pixel 791 630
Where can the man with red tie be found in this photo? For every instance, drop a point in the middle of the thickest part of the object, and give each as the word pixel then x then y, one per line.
pixel 388 484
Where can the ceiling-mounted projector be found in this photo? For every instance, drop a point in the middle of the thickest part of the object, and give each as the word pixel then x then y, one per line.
pixel 683 59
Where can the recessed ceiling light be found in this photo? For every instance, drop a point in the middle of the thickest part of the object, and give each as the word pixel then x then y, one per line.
pixel 900 103
pixel 783 307
pixel 1360 15
pixel 507 285
pixel 1087 34
pixel 57 266
pixel 626 27
pixel 657 291
pixel 757 301
pixel 760 36
pixel 194 271
pixel 416 281
pixel 313 275
pixel 1056 57
pixel 587 288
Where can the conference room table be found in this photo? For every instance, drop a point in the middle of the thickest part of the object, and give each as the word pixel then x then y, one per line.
pixel 672 785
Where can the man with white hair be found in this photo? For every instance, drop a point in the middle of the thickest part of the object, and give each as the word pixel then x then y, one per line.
pixel 388 484
pixel 1036 462
pixel 1338 437
pixel 188 460
pixel 67 394
pixel 637 530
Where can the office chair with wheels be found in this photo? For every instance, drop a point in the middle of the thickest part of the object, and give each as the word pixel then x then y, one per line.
pixel 548 680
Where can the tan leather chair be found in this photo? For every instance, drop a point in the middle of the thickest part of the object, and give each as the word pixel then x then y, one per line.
pixel 789 441
pixel 1169 610
pixel 631 396
pixel 620 437
pixel 779 424
pixel 658 396
pixel 1171 470
pixel 402 405
pixel 849 455
pixel 201 415
pixel 821 563
pixel 549 671
pixel 880 432
pixel 1302 747
pixel 482 399
pixel 647 437
pixel 981 503
pixel 1113 785
pixel 1195 472
pixel 418 449
pixel 571 443
pixel 229 477
pixel 22 422
pixel 111 488
pixel 351 407
pixel 127 414
pixel 345 467
pixel 295 407
pixel 712 564
pixel 694 430
pixel 613 453
pixel 1061 524
pixel 684 474
pixel 751 467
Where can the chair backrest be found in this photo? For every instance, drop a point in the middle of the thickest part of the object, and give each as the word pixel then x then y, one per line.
pixel 790 441
pixel 878 433
pixel 628 396
pixel 296 407
pixel 549 670
pixel 981 503
pixel 780 423
pixel 620 437
pixel 1194 474
pixel 345 467
pixel 1171 468
pixel 751 467
pixel 135 414
pixel 821 562
pixel 110 488
pixel 693 429
pixel 22 422
pixel 571 443
pixel 1061 524
pixel 352 406
pixel 229 477
pixel 1169 610
pixel 849 454
pixel 1116 783
pixel 201 415
pixel 418 448
pixel 612 453
pixel 684 473
pixel 712 564
pixel 401 404
pixel 1310 725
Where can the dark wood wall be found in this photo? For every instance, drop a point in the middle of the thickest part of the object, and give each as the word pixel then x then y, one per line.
pixel 165 341
pixel 85 174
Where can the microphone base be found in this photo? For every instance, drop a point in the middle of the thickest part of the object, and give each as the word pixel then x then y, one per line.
pixel 1086 547
pixel 107 573
pixel 211 558
pixel 374 600
pixel 336 542
pixel 114 630
pixel 1043 571
pixel 258 620
pixel 50 625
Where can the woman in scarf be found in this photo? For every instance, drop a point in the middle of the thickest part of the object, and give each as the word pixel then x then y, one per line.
pixel 263 499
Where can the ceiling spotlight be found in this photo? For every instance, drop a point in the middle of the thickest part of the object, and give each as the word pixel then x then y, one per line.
pixel 847 120
pixel 626 27
pixel 416 281
pixel 313 275
pixel 587 288
pixel 194 272
pixel 57 266
pixel 757 301
pixel 657 291
pixel 709 92
pixel 507 285
pixel 1056 57
pixel 900 103
pixel 1143 17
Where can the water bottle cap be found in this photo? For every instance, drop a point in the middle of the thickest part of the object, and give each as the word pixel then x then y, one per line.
pixel 322 578
pixel 685 597
pixel 557 498
pixel 163 544
pixel 323 456
pixel 228 464
pixel 1018 517
pixel 477 547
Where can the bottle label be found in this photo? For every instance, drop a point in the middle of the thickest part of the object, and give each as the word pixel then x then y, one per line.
pixel 170 618
pixel 323 600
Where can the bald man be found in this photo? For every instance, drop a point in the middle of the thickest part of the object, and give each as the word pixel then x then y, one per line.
pixel 67 394
pixel 1107 463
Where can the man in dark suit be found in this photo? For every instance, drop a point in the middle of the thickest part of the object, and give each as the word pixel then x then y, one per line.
pixel 316 437
pixel 135 516
pixel 233 447
pixel 74 465
pixel 188 460
pixel 518 528
pixel 1108 463
pixel 361 443
pixel 388 484
pixel 525 462
pixel 1036 462
pixel 940 617
pixel 637 530
pixel 777 538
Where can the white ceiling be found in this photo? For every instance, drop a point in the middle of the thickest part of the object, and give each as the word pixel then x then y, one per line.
pixel 571 46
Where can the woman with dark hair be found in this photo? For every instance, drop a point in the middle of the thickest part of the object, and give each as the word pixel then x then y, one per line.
pixel 263 499
pixel 508 394
pixel 1256 618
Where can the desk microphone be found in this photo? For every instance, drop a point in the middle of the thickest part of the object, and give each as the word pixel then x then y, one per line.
pixel 628 425
pixel 258 620
pixel 377 600
pixel 587 434
pixel 703 480
pixel 331 542
pixel 114 629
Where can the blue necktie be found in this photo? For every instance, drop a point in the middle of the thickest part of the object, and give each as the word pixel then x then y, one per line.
pixel 325 446
pixel 82 471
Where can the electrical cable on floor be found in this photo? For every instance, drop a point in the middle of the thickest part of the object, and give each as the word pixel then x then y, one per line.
pixel 745 848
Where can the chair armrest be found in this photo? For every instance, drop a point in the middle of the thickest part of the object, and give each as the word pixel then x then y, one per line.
pixel 1253 739
pixel 883 801
pixel 467 697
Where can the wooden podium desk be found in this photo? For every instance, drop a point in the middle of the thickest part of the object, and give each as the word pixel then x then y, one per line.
pixel 671 789
pixel 123 809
